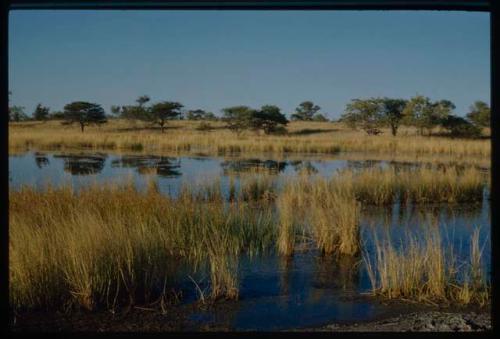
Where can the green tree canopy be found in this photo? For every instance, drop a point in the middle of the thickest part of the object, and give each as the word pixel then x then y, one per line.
pixel 163 111
pixel 84 113
pixel 305 111
pixel 16 113
pixel 41 112
pixel 269 118
pixel 425 114
pixel 480 114
pixel 364 113
pixel 320 118
pixel 142 100
pixel 197 114
pixel 237 118
pixel 460 127
pixel 392 112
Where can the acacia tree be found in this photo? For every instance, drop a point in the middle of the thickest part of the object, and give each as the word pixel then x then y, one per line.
pixel 305 111
pixel 41 112
pixel 460 127
pixel 197 114
pixel 480 114
pixel 84 113
pixel 269 118
pixel 392 112
pixel 237 118
pixel 320 118
pixel 16 113
pixel 366 114
pixel 163 111
pixel 133 112
pixel 425 114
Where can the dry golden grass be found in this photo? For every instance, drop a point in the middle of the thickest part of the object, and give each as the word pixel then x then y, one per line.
pixel 420 185
pixel 183 137
pixel 421 270
pixel 110 245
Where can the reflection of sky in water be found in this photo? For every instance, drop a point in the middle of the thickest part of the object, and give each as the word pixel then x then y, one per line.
pixel 274 293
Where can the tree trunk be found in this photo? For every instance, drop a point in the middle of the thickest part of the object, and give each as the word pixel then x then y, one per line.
pixel 82 126
pixel 394 130
pixel 162 124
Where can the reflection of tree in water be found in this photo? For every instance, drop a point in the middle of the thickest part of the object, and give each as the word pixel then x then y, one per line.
pixel 363 164
pixel 41 160
pixel 247 165
pixel 303 167
pixel 162 166
pixel 83 164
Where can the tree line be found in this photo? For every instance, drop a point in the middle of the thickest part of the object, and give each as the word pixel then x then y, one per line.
pixel 367 114
pixel 421 112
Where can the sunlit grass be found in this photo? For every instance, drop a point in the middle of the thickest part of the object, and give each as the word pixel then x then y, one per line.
pixel 183 137
pixel 423 269
pixel 113 245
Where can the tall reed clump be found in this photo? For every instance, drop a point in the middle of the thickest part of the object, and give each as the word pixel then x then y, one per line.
pixel 449 184
pixel 334 218
pixel 373 186
pixel 112 245
pixel 290 205
pixel 422 270
pixel 257 187
pixel 381 186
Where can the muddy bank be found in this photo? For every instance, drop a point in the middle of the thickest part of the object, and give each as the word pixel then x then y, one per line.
pixel 418 322
pixel 181 319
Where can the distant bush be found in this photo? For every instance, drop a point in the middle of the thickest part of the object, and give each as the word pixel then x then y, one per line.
pixel 460 127
pixel 204 126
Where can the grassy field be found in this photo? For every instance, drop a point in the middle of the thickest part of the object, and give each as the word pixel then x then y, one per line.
pixel 108 246
pixel 183 137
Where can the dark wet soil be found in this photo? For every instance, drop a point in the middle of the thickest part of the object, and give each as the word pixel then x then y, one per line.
pixel 179 319
pixel 419 322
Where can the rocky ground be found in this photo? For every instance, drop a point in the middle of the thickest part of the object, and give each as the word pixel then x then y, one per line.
pixel 433 321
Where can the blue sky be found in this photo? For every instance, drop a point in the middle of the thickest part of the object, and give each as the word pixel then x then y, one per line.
pixel 215 59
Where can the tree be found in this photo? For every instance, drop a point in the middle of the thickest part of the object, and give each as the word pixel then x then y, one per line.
pixel 197 114
pixel 16 113
pixel 237 118
pixel 142 100
pixel 366 114
pixel 163 111
pixel 305 111
pixel 57 115
pixel 460 127
pixel 269 118
pixel 41 112
pixel 320 118
pixel 84 113
pixel 479 114
pixel 392 112
pixel 116 110
pixel 210 116
pixel 133 112
pixel 425 114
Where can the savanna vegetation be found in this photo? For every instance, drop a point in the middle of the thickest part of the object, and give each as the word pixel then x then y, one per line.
pixel 110 246
pixel 114 245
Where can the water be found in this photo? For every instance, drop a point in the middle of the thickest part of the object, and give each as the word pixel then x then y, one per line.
pixel 275 293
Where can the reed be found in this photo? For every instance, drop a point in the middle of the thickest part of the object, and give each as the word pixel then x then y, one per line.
pixel 113 245
pixel 420 185
pixel 334 217
pixel 419 269
pixel 183 137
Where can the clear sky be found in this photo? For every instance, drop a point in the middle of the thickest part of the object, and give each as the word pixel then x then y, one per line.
pixel 215 59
